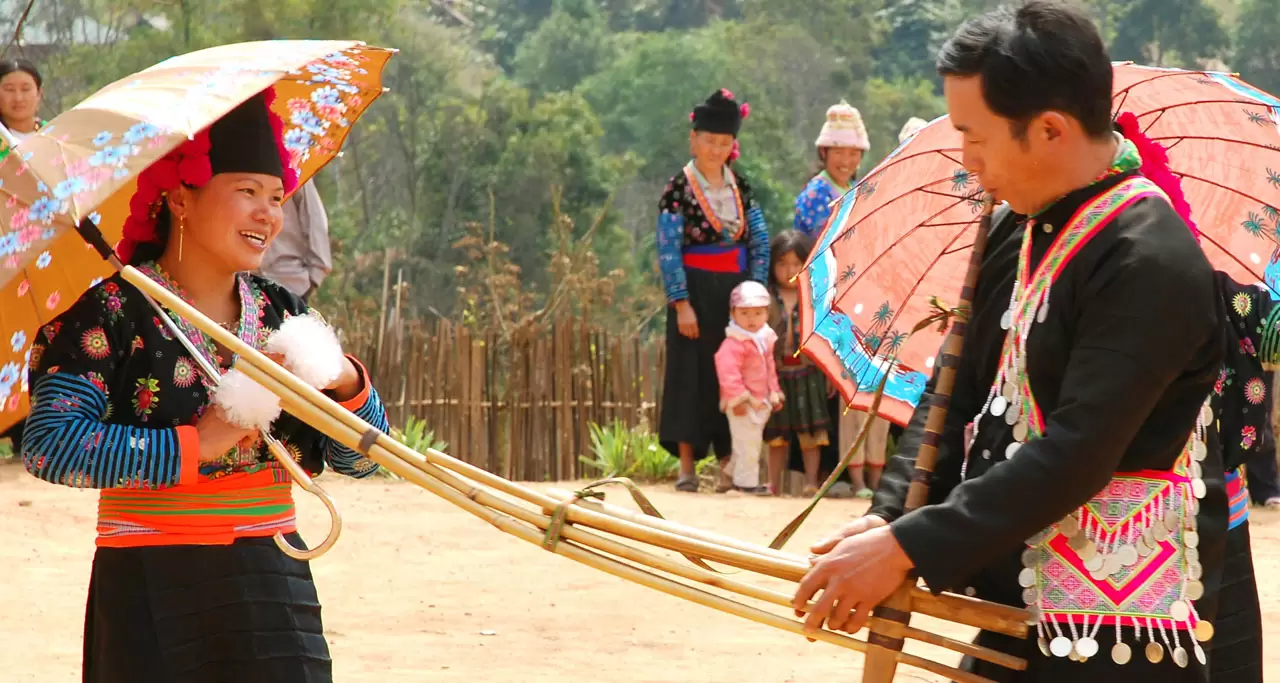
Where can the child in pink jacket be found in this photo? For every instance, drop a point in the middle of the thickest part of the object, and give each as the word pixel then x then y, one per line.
pixel 749 390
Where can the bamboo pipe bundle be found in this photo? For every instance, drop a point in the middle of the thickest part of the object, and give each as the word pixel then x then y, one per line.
pixel 465 486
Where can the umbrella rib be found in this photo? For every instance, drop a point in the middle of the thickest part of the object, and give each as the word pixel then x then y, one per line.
pixel 1212 138
pixel 1223 187
pixel 1161 110
pixel 894 318
pixel 1232 256
pixel 858 276
pixel 896 242
pixel 922 188
pixel 1123 93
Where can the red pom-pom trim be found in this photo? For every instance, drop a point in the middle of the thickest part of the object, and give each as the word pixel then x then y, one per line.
pixel 1155 166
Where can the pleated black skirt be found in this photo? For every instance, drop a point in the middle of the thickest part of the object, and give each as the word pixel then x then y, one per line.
pixel 239 613
pixel 1236 654
pixel 690 389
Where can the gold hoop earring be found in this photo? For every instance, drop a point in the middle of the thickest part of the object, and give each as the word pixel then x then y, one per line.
pixel 182 223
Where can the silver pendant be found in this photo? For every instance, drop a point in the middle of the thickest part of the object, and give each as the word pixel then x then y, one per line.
pixel 1195 590
pixel 1069 526
pixel 1112 566
pixel 1030 557
pixel 1121 654
pixel 1200 657
pixel 1087 553
pixel 1006 320
pixel 1180 611
pixel 1180 657
pixel 1206 414
pixel 1030 596
pixel 1191 539
pixel 1027 577
pixel 1044 646
pixel 1043 312
pixel 1128 555
pixel 1009 391
pixel 1155 653
pixel 1011 415
pixel 1060 647
pixel 1198 488
pixel 1095 563
pixel 1161 533
pixel 1171 521
pixel 1086 647
pixel 998 406
pixel 1078 542
pixel 1141 546
pixel 1011 450
pixel 1193 555
pixel 1194 571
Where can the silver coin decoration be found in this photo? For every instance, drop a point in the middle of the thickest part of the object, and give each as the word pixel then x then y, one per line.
pixel 1060 647
pixel 1086 647
pixel 998 406
pixel 1180 657
pixel 1121 654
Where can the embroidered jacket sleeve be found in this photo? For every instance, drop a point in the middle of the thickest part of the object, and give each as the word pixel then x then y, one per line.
pixel 367 405
pixel 1145 316
pixel 757 243
pixel 670 242
pixel 69 437
pixel 812 208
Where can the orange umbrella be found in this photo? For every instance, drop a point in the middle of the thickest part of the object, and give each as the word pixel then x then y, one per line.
pixel 84 165
pixel 903 236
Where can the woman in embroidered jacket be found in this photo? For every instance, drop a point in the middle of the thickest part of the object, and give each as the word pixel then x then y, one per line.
pixel 187 583
pixel 1240 430
pixel 841 145
pixel 711 237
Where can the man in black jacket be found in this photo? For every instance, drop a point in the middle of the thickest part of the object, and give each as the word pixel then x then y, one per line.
pixel 1117 363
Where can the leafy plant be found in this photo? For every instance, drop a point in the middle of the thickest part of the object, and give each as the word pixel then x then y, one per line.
pixel 621 451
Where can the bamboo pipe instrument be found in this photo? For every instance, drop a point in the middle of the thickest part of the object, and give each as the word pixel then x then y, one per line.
pixel 308 397
pixel 1010 621
pixel 506 516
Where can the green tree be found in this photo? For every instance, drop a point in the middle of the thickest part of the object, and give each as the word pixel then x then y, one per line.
pixel 564 50
pixel 1182 33
pixel 1258 45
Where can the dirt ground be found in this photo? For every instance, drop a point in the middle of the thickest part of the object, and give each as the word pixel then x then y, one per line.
pixel 417 590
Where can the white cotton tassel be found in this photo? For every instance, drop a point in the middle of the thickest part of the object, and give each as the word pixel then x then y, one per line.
pixel 310 348
pixel 245 402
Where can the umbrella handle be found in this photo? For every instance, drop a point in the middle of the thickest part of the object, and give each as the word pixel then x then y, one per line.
pixel 307 484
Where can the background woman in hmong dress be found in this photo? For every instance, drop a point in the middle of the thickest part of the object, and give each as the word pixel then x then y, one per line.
pixel 711 236
pixel 1241 428
pixel 187 585
pixel 1240 431
pixel 841 144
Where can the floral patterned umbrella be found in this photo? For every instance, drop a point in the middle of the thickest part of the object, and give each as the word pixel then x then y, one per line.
pixel 896 248
pixel 84 163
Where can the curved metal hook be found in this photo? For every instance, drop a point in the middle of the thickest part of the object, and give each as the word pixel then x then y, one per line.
pixel 305 482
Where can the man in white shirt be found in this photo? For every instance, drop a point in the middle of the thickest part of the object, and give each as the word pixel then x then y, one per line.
pixel 299 258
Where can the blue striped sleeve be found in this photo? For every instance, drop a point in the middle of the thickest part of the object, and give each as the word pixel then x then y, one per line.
pixel 66 441
pixel 757 244
pixel 343 460
pixel 671 256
